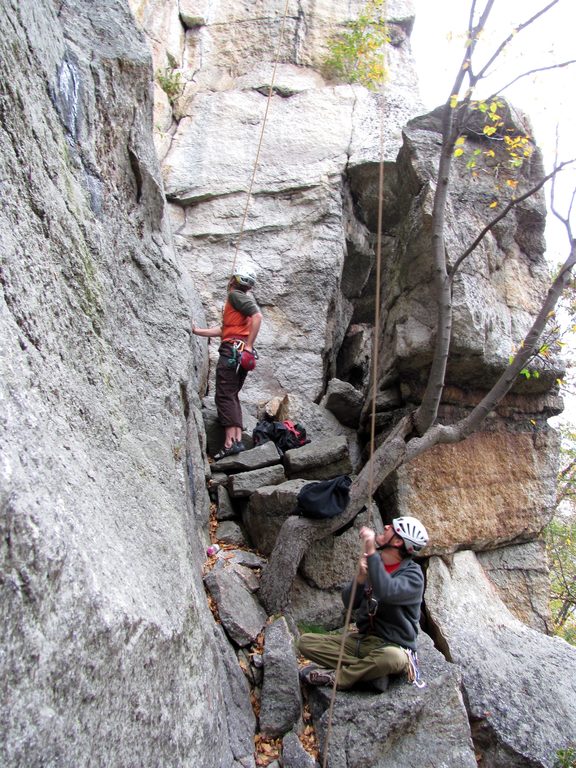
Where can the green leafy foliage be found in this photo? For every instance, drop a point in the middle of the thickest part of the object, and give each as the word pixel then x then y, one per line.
pixel 566 484
pixel 356 55
pixel 503 154
pixel 561 543
pixel 171 82
pixel 546 356
pixel 566 758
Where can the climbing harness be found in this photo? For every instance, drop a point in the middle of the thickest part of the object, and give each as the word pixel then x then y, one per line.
pixel 241 357
pixel 237 347
pixel 372 607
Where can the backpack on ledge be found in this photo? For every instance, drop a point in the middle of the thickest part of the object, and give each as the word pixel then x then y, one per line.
pixel 285 434
pixel 324 499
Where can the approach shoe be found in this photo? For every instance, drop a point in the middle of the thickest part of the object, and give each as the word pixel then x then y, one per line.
pixel 320 677
pixel 381 683
pixel 223 452
pixel 303 672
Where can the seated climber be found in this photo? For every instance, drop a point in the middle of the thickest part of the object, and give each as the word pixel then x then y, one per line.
pixel 241 321
pixel 388 595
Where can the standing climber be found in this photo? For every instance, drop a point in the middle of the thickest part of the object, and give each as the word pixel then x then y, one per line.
pixel 241 321
pixel 389 592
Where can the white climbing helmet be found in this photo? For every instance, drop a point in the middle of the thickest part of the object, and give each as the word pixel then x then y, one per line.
pixel 412 533
pixel 245 277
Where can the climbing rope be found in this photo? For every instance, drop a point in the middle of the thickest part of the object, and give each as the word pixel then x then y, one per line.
pixel 262 129
pixel 376 338
pixel 373 386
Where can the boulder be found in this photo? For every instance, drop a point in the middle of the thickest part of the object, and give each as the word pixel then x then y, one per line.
pixel 245 483
pixel 225 510
pixel 229 532
pixel 331 562
pixel 240 718
pixel 293 753
pixel 242 557
pixel 320 460
pixel 268 507
pixel 522 579
pixel 427 724
pixel 265 455
pixel 316 608
pixel 344 401
pixel 241 614
pixel 281 697
pixel 519 684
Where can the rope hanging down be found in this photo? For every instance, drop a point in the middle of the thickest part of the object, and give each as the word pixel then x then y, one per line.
pixel 256 161
pixel 376 338
pixel 373 386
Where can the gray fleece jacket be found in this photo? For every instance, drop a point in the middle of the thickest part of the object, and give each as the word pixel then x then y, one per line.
pixel 399 595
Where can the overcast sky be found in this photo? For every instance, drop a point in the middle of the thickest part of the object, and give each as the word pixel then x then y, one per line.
pixel 548 98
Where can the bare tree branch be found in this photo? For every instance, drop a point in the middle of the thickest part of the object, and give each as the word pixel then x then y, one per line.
pixel 466 66
pixel 527 351
pixel 418 432
pixel 565 220
pixel 505 211
pixel 532 72
pixel 512 35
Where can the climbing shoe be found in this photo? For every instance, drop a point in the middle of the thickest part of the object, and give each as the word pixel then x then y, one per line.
pixel 239 446
pixel 230 451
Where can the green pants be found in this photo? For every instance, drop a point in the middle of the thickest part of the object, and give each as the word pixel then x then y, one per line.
pixel 365 657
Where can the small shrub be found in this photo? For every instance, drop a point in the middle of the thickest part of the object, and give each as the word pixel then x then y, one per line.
pixel 304 627
pixel 356 55
pixel 171 83
pixel 565 758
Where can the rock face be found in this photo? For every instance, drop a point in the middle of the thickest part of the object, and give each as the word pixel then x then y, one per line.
pixel 300 232
pixel 109 649
pixel 107 642
pixel 503 663
pixel 459 491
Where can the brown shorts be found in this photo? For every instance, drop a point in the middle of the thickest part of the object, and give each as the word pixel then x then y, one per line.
pixel 229 381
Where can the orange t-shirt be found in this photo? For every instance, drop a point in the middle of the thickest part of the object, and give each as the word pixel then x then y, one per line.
pixel 237 315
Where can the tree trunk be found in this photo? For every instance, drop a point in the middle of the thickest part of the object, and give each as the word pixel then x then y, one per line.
pixel 297 534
